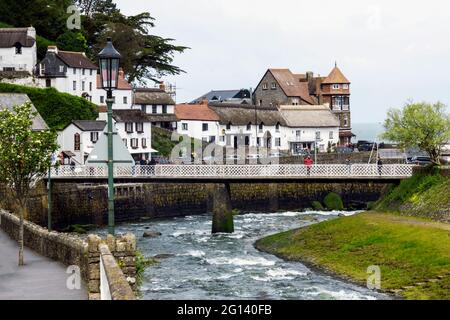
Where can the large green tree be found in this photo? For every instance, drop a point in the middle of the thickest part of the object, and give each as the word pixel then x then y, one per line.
pixel 25 156
pixel 419 125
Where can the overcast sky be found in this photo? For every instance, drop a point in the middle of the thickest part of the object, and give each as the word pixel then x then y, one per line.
pixel 390 50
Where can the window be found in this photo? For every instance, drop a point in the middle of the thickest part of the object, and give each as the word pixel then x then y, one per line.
pixel 260 102
pixel 61 69
pixel 164 109
pixel 212 139
pixel 261 127
pixel 82 85
pixel 18 48
pixel 90 72
pixel 42 69
pixel 125 100
pixel 265 86
pixel 345 121
pixel 295 101
pixel 102 99
pixel 48 83
pixel 222 138
pixel 298 134
pixel 249 127
pixel 83 71
pixel 228 140
pixel 90 86
pixel 139 127
pixel 317 135
pixel 336 86
pixel 134 143
pixel 229 126
pixel 154 109
pixel 277 142
pixel 144 143
pixel 277 128
pixel 184 126
pixel 345 86
pixel 94 137
pixel 74 86
pixel 114 99
pixel 204 127
pixel 258 141
pixel 273 86
pixel 125 142
pixel 144 108
pixel 76 142
pixel 331 135
pixel 129 127
pixel 74 71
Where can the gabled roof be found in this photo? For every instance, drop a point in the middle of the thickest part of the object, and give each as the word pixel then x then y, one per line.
pixel 10 36
pixel 291 85
pixel 122 83
pixel 88 125
pixel 10 100
pixel 200 112
pixel 223 95
pixel 317 116
pixel 76 60
pixel 155 96
pixel 336 77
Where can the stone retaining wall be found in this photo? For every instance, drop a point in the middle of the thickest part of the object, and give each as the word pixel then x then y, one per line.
pixel 75 251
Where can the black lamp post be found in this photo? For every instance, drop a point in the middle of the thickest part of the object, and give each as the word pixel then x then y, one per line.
pixel 109 59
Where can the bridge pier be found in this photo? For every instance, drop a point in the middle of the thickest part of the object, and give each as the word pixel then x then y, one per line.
pixel 222 210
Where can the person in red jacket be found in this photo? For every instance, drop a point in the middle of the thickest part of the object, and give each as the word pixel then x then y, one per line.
pixel 308 163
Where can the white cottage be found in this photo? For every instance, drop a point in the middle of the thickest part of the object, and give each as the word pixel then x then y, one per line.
pixel 197 121
pixel 123 95
pixel 77 140
pixel 18 50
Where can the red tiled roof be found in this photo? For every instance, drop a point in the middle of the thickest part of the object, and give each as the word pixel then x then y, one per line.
pixel 199 112
pixel 76 59
pixel 336 77
pixel 291 85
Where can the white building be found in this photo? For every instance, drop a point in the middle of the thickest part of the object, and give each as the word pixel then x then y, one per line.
pixel 123 95
pixel 18 50
pixel 307 126
pixel 135 129
pixel 69 72
pixel 158 105
pixel 197 121
pixel 77 140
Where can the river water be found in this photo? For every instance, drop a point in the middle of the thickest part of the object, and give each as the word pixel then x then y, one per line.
pixel 199 265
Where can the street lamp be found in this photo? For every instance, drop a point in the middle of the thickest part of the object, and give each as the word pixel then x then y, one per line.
pixel 109 59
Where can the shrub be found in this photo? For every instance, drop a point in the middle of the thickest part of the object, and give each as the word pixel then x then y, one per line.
pixel 333 202
pixel 317 206
pixel 58 109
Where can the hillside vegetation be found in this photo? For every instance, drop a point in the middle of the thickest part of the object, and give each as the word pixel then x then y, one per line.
pixel 58 109
pixel 423 195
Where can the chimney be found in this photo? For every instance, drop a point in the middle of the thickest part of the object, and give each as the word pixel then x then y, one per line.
pixel 204 102
pixel 121 73
pixel 309 75
pixel 162 86
pixel 31 32
pixel 52 49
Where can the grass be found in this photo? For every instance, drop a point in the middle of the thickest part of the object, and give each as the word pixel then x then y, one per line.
pixel 409 251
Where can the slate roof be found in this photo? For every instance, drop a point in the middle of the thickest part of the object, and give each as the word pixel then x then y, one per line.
pixel 291 85
pixel 10 36
pixel 241 115
pixel 223 95
pixel 76 59
pixel 336 77
pixel 88 125
pixel 9 100
pixel 317 116
pixel 200 112
pixel 149 96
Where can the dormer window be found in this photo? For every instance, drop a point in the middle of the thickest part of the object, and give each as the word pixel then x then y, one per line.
pixel 336 86
pixel 61 69
pixel 277 127
pixel 229 126
pixel 18 47
pixel 261 127
pixel 249 126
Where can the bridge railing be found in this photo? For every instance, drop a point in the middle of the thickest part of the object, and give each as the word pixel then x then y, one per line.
pixel 237 171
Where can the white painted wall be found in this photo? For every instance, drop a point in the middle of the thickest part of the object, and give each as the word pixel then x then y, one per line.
pixel 21 62
pixel 99 98
pixel 195 129
pixel 309 135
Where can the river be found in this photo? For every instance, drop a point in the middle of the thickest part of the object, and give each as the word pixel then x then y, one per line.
pixel 221 267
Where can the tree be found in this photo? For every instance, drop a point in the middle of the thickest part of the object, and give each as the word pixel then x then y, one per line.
pixel 419 125
pixel 25 156
pixel 72 41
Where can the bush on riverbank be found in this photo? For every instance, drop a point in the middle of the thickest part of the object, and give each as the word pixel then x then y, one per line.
pixel 423 195
pixel 413 254
pixel 333 201
pixel 317 206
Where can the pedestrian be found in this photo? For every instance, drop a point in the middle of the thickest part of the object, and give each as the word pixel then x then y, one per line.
pixel 380 166
pixel 308 163
pixel 349 165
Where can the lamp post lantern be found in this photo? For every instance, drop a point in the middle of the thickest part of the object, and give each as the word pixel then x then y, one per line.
pixel 109 59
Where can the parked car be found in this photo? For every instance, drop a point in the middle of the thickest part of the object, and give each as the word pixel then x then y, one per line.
pixel 421 161
pixel 344 150
pixel 367 146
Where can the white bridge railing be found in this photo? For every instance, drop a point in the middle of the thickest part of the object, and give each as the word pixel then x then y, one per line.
pixel 237 171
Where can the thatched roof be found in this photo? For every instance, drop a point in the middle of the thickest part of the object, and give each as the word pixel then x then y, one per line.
pixel 307 116
pixel 152 97
pixel 241 115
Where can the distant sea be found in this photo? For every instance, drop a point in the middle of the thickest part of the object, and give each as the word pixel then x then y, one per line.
pixel 368 131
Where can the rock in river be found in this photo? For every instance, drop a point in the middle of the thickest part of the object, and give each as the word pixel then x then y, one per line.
pixel 151 234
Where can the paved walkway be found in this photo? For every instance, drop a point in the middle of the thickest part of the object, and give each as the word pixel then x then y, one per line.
pixel 40 279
